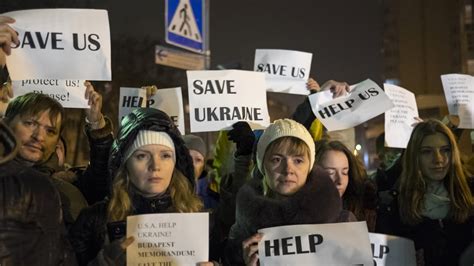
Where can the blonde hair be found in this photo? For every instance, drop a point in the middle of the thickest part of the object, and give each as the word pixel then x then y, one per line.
pixel 413 185
pixel 182 195
pixel 292 146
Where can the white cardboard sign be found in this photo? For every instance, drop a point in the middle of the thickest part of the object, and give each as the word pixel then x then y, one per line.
pixel 219 98
pixel 399 119
pixel 70 93
pixel 459 93
pixel 61 44
pixel 169 101
pixel 316 244
pixel 390 250
pixel 285 71
pixel 164 239
pixel 365 101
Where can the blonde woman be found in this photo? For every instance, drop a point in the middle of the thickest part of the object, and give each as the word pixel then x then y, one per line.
pixel 152 173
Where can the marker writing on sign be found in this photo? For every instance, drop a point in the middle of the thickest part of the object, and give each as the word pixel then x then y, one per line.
pixel 333 109
pixel 284 246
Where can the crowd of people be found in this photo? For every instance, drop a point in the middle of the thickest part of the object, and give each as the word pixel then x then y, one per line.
pixel 291 173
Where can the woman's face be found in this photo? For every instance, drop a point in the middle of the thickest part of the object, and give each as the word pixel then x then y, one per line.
pixel 435 157
pixel 336 165
pixel 150 169
pixel 285 173
pixel 198 163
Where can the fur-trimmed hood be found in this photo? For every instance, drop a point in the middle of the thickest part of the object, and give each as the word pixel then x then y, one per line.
pixel 316 202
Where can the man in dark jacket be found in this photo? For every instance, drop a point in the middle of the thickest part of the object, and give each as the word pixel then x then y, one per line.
pixel 31 227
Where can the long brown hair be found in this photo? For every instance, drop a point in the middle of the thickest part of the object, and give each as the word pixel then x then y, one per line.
pixel 182 196
pixel 353 197
pixel 413 185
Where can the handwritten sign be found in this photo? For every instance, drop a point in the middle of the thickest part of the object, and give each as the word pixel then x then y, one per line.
pixel 285 71
pixel 399 119
pixel 459 93
pixel 61 44
pixel 164 239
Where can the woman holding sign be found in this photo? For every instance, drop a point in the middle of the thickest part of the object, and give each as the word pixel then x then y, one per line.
pixel 435 201
pixel 291 192
pixel 152 172
pixel 358 193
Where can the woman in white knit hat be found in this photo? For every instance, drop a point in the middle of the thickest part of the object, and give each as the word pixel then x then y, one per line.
pixel 152 172
pixel 291 192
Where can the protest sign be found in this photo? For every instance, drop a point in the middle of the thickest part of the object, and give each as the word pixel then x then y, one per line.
pixel 60 44
pixel 169 101
pixel 459 93
pixel 316 244
pixel 70 93
pixel 219 98
pixel 390 250
pixel 285 71
pixel 131 98
pixel 365 101
pixel 399 119
pixel 163 239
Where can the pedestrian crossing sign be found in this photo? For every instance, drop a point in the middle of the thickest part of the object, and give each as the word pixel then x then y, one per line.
pixel 187 24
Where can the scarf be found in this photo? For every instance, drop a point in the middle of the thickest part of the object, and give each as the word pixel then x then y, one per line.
pixel 436 201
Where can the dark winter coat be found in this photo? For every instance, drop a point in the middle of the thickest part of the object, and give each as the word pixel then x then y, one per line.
pixel 31 227
pixel 316 202
pixel 438 242
pixel 89 233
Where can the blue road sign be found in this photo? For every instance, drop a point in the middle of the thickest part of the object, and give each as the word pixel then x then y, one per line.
pixel 186 23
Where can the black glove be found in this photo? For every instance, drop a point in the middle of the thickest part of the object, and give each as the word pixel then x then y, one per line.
pixel 243 137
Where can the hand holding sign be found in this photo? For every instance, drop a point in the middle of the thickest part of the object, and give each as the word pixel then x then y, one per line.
pixel 94 113
pixel 7 36
pixel 250 249
pixel 115 251
pixel 337 88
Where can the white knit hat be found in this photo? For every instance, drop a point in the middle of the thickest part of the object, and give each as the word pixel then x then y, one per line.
pixel 284 128
pixel 146 137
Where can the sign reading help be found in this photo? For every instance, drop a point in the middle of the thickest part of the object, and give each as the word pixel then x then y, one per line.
pixel 169 101
pixel 392 250
pixel 316 244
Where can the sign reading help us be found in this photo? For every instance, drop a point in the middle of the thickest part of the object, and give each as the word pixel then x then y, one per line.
pixel 61 44
pixel 70 93
pixel 316 244
pixel 219 98
pixel 286 71
pixel 365 101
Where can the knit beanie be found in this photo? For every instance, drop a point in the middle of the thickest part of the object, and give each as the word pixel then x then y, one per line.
pixel 284 128
pixel 196 143
pixel 146 137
